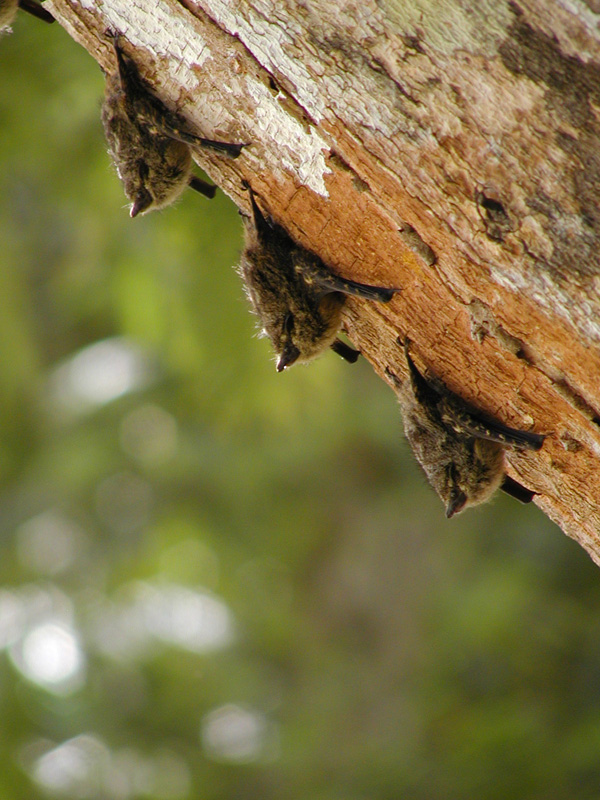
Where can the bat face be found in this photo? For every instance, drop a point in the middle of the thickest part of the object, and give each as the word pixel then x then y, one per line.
pixel 460 450
pixel 298 300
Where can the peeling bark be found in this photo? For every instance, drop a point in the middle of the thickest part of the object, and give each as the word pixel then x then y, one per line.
pixel 448 148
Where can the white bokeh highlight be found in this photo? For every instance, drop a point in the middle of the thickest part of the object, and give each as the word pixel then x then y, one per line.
pixel 99 374
pixel 51 656
pixel 148 614
pixel 237 734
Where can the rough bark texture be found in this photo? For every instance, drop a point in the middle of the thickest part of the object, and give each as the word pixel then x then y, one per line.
pixel 450 148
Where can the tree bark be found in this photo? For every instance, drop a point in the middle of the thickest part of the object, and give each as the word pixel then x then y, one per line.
pixel 451 149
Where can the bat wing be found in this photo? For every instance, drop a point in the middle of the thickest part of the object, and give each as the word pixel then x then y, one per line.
pixel 228 148
pixel 315 273
pixel 168 124
pixel 152 112
pixel 466 421
pixel 463 420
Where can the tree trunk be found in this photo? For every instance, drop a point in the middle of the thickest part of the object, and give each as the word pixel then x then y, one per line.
pixel 451 149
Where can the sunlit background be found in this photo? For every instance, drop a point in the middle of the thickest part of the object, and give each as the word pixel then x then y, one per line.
pixel 220 582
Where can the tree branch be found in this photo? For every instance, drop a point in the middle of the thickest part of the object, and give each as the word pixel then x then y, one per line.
pixel 453 154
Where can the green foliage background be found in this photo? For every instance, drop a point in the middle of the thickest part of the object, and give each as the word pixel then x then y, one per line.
pixel 379 651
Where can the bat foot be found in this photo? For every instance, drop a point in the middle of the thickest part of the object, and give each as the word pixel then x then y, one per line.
pixel 202 187
pixel 348 353
pixel 36 10
pixel 517 490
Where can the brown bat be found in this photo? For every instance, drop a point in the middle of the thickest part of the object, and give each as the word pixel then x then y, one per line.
pixel 297 298
pixel 460 449
pixel 150 145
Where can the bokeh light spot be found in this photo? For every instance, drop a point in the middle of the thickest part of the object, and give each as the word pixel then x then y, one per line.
pixel 49 543
pixel 73 768
pixel 237 734
pixel 50 655
pixel 185 617
pixel 99 374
